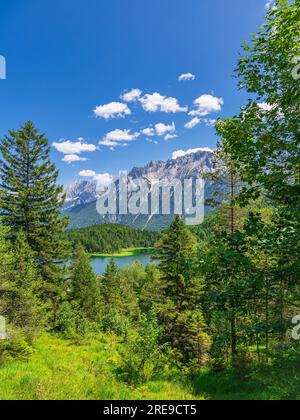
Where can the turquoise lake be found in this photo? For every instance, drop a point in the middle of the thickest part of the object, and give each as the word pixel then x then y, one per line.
pixel 99 263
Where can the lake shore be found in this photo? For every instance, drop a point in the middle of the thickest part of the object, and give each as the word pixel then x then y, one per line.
pixel 129 252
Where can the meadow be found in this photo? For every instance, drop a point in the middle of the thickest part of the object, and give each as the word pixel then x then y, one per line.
pixel 60 369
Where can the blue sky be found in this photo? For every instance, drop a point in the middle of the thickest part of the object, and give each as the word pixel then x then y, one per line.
pixel 69 63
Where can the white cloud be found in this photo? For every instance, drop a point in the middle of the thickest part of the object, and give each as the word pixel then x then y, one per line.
pixel 209 122
pixel 157 102
pixel 121 135
pixel 170 137
pixel 87 173
pixel 117 138
pixel 132 95
pixel 109 143
pixel 163 129
pixel 112 110
pixel 73 158
pixel 149 132
pixel 193 123
pixel 70 148
pixel 182 153
pixel 103 180
pixel 206 104
pixel 186 76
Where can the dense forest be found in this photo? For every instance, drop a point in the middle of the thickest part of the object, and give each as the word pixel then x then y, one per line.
pixel 108 239
pixel 214 319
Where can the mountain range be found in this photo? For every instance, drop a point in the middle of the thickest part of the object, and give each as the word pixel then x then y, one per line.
pixel 81 196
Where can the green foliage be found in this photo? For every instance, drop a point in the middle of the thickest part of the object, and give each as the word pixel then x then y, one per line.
pixel 176 251
pixel 6 259
pixel 264 140
pixel 71 323
pixel 215 313
pixel 25 309
pixel 118 288
pixel 62 370
pixel 108 239
pixel 16 347
pixel 252 271
pixel 142 353
pixel 152 290
pixel 85 287
pixel 179 309
pixel 30 202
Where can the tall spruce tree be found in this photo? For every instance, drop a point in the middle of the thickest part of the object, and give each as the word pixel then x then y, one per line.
pixel 180 311
pixel 86 287
pixel 6 258
pixel 25 309
pixel 31 201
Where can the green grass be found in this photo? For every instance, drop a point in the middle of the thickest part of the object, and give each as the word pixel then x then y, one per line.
pixel 129 252
pixel 60 370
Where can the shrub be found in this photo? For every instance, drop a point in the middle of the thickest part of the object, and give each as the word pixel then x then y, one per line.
pixel 15 347
pixel 142 355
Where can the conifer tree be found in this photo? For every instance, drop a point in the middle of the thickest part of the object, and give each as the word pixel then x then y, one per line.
pixel 110 285
pixel 179 310
pixel 25 308
pixel 86 287
pixel 152 291
pixel 6 258
pixel 31 201
pixel 176 252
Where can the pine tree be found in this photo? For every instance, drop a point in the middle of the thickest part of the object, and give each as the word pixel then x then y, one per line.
pixel 85 289
pixel 119 290
pixel 179 310
pixel 225 273
pixel 176 252
pixel 25 308
pixel 6 258
pixel 31 201
pixel 152 290
pixel 110 285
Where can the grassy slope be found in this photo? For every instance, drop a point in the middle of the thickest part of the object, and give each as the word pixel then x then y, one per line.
pixel 129 252
pixel 60 370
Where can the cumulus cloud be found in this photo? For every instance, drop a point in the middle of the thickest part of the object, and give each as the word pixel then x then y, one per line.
pixel 182 153
pixel 186 76
pixel 112 110
pixel 206 104
pixel 131 95
pixel 209 122
pixel 73 158
pixel 103 180
pixel 149 132
pixel 170 137
pixel 193 123
pixel 71 148
pixel 118 138
pixel 163 129
pixel 157 102
pixel 87 173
